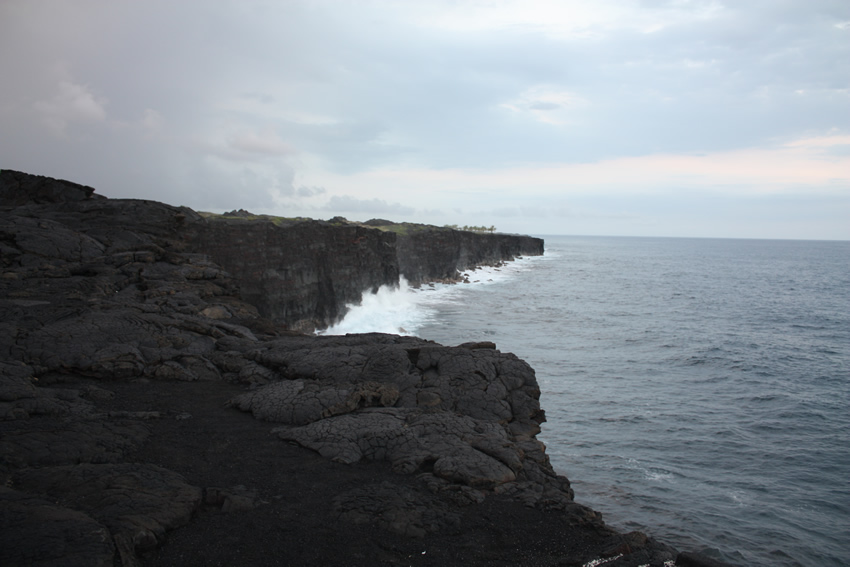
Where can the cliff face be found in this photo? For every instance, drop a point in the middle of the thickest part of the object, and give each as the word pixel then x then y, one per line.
pixel 438 253
pixel 301 274
pixel 304 273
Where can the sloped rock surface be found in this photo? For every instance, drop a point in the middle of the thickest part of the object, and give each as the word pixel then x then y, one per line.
pixel 402 510
pixel 448 444
pixel 18 188
pixel 304 401
pixel 34 531
pixel 138 503
pixel 468 414
pixel 54 442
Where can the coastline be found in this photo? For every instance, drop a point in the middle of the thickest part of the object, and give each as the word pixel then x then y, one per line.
pixel 154 417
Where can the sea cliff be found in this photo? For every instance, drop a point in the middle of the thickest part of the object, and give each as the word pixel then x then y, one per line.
pixel 158 405
pixel 303 273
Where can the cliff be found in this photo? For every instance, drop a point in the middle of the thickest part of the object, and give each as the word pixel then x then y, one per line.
pixel 298 273
pixel 428 253
pixel 301 274
pixel 150 416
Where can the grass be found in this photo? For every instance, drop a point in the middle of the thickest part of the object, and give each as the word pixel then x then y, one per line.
pixel 401 228
pixel 279 221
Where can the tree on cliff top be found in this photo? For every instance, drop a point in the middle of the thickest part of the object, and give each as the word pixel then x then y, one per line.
pixel 469 228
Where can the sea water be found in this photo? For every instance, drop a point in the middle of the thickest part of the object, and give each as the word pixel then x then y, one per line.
pixel 695 389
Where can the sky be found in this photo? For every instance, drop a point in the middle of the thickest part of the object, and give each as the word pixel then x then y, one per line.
pixel 694 118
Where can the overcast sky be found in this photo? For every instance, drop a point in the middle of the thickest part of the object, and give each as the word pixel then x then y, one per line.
pixel 643 117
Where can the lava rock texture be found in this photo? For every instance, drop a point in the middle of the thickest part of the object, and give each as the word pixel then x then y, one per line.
pixel 150 415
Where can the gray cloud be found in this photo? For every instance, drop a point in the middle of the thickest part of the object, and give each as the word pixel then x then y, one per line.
pixel 304 191
pixel 243 100
pixel 264 143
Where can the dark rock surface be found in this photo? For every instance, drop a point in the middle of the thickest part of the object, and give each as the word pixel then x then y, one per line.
pixel 304 273
pixel 301 273
pixel 428 253
pixel 150 416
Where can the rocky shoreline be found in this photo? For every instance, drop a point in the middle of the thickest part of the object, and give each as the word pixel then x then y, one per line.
pixel 160 405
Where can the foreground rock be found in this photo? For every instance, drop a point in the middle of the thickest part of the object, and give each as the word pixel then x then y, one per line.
pixel 150 416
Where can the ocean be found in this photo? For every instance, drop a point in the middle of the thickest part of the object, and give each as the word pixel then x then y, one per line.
pixel 695 389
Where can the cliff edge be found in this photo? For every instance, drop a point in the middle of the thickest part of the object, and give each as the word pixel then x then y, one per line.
pixel 151 416
pixel 304 273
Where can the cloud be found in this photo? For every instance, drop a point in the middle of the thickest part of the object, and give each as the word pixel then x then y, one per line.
pixel 349 204
pixel 72 103
pixel 520 211
pixel 266 142
pixel 818 143
pixel 541 102
pixel 152 120
pixel 150 124
pixel 544 106
pixel 809 165
pixel 304 191
pixel 561 19
pixel 421 107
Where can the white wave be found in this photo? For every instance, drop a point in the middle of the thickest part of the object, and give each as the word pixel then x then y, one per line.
pixel 403 310
pixel 392 309
pixel 495 274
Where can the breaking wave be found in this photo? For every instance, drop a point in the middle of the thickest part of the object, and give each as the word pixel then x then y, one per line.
pixel 403 309
pixel 392 309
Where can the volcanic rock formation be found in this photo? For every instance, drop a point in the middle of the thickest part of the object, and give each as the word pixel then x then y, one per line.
pixel 131 367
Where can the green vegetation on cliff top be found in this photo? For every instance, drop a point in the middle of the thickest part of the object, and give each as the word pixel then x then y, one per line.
pixel 402 228
pixel 241 215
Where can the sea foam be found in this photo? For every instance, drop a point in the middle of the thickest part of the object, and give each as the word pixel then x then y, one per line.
pixel 392 309
pixel 403 309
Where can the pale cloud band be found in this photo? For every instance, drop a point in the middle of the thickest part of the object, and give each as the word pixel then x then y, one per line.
pixel 652 117
pixel 819 165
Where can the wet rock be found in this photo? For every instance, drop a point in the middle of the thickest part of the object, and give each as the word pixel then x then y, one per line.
pixel 634 549
pixel 686 559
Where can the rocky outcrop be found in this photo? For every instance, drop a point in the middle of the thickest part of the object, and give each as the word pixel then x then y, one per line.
pixel 18 188
pixel 141 398
pixel 468 416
